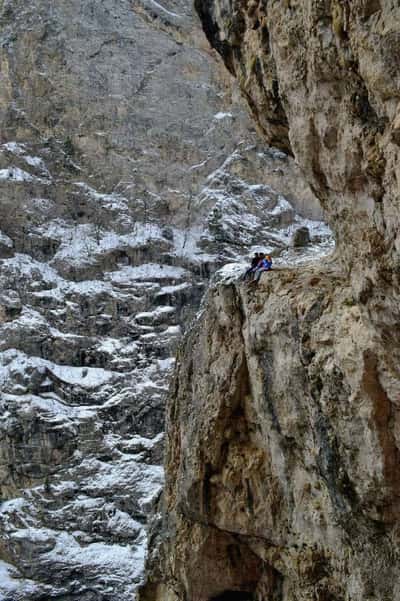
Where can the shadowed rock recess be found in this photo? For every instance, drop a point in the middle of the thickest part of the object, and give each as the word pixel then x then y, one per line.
pixel 283 428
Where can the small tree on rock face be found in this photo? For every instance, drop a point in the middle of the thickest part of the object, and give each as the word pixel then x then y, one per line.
pixel 47 486
pixel 68 147
pixel 98 222
pixel 215 222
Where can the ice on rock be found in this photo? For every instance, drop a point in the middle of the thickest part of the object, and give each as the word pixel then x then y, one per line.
pixel 12 362
pixel 159 314
pixel 14 147
pixel 115 201
pixel 230 272
pixel 281 206
pixel 173 289
pixel 222 115
pixel 20 150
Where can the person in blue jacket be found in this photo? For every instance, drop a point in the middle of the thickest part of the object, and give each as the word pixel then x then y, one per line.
pixel 264 265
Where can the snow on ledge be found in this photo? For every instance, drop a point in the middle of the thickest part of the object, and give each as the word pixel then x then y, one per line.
pixel 147 271
pixel 220 115
pixel 13 361
pixel 15 174
pixel 12 585
pixel 230 272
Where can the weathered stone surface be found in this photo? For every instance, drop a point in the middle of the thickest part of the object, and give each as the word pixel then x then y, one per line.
pixel 321 79
pixel 282 450
pixel 283 447
pixel 301 237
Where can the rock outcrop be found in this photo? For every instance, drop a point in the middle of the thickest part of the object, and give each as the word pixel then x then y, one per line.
pixel 322 81
pixel 283 421
pixel 282 448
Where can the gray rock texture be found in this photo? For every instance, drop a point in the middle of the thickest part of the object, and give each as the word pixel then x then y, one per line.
pixel 282 450
pixel 283 421
pixel 322 81
pixel 301 237
pixel 128 172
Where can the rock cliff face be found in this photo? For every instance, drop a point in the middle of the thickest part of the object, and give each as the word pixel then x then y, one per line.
pixel 322 81
pixel 282 448
pixel 283 421
pixel 128 172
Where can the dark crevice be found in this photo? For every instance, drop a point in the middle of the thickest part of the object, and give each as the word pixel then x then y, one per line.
pixel 212 31
pixel 233 596
pixel 268 370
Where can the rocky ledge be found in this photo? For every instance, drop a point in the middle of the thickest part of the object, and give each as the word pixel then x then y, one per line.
pixel 282 448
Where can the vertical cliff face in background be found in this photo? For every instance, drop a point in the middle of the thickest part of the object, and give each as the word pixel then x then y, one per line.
pixel 283 422
pixel 128 172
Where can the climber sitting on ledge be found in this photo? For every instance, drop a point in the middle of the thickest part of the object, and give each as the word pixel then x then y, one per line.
pixel 264 265
pixel 258 257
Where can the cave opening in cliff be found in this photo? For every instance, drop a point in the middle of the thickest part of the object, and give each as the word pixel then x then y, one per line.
pixel 234 596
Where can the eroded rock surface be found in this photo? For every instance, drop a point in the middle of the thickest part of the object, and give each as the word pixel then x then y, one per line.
pixel 283 421
pixel 322 81
pixel 282 447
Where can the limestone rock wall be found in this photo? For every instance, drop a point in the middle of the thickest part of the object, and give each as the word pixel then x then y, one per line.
pixel 282 448
pixel 283 421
